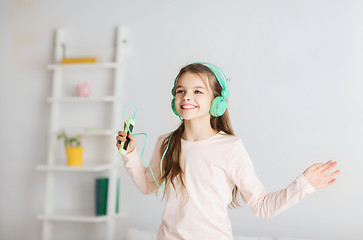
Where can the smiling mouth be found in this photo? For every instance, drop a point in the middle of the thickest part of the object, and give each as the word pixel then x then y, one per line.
pixel 188 107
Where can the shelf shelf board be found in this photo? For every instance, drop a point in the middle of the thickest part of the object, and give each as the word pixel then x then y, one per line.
pixel 91 132
pixel 83 65
pixel 83 99
pixel 65 168
pixel 106 132
pixel 70 218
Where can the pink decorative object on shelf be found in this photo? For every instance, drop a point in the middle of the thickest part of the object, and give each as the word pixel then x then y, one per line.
pixel 84 89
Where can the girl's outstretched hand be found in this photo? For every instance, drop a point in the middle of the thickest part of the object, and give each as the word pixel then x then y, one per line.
pixel 319 175
pixel 121 137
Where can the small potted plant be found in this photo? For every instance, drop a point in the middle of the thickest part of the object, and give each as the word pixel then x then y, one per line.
pixel 74 150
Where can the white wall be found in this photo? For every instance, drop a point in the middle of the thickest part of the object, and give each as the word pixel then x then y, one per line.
pixel 295 97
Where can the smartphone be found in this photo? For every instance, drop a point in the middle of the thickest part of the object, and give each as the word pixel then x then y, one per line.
pixel 129 128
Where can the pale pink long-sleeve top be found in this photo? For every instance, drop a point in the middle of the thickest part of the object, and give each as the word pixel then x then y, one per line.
pixel 211 169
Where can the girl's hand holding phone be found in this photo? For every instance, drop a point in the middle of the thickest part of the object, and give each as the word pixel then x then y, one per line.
pixel 121 137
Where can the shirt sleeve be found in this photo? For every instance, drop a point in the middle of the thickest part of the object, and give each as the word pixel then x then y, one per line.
pixel 263 204
pixel 140 174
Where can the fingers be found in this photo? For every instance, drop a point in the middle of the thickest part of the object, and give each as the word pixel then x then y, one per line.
pixel 334 174
pixel 132 137
pixel 328 167
pixel 122 133
pixel 332 181
pixel 321 175
pixel 121 137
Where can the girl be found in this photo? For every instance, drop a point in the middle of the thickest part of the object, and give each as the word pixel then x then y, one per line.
pixel 204 167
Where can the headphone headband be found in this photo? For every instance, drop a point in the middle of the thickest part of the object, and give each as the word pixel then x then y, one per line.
pixel 218 73
pixel 221 77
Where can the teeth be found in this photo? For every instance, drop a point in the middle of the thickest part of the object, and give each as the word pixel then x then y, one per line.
pixel 188 106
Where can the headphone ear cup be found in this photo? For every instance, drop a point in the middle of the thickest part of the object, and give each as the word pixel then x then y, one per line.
pixel 173 107
pixel 218 107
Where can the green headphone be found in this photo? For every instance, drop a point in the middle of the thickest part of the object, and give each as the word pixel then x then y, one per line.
pixel 219 104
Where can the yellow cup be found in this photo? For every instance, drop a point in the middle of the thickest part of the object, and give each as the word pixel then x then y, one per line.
pixel 74 156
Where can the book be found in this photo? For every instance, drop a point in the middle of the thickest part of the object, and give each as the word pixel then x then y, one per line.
pixel 117 193
pixel 101 191
pixel 78 60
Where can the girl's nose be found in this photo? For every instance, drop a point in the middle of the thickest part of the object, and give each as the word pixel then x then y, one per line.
pixel 186 98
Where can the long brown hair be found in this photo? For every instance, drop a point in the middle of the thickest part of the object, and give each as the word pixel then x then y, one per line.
pixel 172 169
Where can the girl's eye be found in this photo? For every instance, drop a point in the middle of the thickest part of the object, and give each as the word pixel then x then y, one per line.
pixel 198 92
pixel 179 91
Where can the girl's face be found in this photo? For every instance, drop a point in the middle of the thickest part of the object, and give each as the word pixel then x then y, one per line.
pixel 193 96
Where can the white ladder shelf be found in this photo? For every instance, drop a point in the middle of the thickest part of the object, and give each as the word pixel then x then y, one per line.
pixel 109 166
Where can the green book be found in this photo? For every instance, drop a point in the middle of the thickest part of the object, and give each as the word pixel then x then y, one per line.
pixel 101 188
pixel 101 191
pixel 117 193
